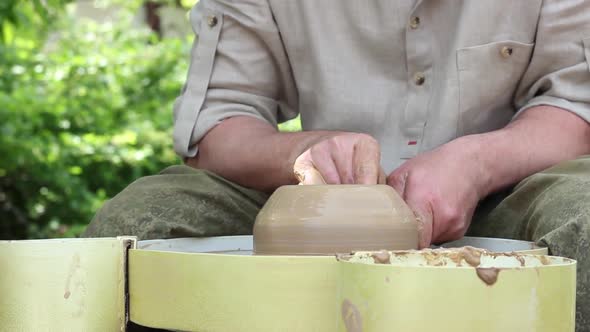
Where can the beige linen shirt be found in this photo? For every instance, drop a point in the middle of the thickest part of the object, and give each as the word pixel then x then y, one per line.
pixel 414 74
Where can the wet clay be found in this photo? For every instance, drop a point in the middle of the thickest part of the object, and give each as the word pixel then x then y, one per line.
pixel 544 260
pixel 472 256
pixel 329 219
pixel 351 317
pixel 488 275
pixel 521 260
pixel 382 257
pixel 438 257
pixel 307 174
pixel 74 265
pixel 453 257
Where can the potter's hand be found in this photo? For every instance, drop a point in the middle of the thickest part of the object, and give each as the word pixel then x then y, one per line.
pixel 443 187
pixel 344 158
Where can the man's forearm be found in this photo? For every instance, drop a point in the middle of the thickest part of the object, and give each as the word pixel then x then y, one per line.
pixel 539 138
pixel 252 153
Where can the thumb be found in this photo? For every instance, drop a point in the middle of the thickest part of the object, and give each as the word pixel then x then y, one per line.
pixel 424 222
pixel 422 210
pixel 305 171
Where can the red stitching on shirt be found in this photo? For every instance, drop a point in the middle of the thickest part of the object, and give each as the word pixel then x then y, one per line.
pixel 412 142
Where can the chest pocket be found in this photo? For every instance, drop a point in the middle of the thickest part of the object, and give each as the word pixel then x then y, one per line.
pixel 488 77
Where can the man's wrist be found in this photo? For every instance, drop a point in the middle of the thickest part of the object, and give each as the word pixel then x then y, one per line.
pixel 478 153
pixel 539 138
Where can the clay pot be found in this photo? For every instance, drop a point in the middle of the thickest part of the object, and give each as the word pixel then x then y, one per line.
pixel 328 219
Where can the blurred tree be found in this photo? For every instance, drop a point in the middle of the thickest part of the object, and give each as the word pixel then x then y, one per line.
pixel 31 18
pixel 83 115
pixel 82 119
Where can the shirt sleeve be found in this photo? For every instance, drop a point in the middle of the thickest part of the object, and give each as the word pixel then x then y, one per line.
pixel 238 67
pixel 558 74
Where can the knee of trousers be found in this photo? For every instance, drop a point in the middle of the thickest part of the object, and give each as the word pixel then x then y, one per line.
pixel 187 203
pixel 560 219
pixel 556 205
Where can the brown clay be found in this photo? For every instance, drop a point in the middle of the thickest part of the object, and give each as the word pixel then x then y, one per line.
pixel 74 266
pixel 351 317
pixel 488 275
pixel 471 255
pixel 382 257
pixel 544 260
pixel 437 257
pixel 328 219
pixel 522 261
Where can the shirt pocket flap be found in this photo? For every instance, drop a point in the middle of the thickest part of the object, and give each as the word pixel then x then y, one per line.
pixel 499 53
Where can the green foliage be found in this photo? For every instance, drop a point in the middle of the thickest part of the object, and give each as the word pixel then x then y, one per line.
pixel 27 17
pixel 80 117
pixel 85 109
pixel 291 125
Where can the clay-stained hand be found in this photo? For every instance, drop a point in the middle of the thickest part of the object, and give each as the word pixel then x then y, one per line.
pixel 344 158
pixel 442 187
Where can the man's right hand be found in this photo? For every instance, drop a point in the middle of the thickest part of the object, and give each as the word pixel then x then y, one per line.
pixel 342 158
pixel 251 152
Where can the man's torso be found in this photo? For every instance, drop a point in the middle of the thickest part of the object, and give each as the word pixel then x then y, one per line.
pixel 414 74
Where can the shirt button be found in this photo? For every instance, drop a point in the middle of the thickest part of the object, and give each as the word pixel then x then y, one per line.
pixel 211 21
pixel 419 78
pixel 506 51
pixel 415 22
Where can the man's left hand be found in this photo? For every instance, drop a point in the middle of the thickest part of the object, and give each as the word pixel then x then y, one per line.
pixel 443 187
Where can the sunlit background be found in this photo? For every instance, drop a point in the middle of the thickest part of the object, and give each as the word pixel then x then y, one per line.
pixel 86 94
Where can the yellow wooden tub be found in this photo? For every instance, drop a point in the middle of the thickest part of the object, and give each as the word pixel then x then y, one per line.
pixel 215 284
pixel 230 290
pixel 63 284
pixel 443 290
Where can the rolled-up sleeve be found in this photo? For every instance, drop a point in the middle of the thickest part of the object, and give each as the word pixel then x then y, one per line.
pixel 558 74
pixel 238 67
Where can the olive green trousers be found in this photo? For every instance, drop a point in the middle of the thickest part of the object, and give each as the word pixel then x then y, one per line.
pixel 551 208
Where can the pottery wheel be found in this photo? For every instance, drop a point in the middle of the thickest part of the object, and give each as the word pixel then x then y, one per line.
pixel 243 245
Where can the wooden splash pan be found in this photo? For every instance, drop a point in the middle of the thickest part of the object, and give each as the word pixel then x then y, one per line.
pixel 216 284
